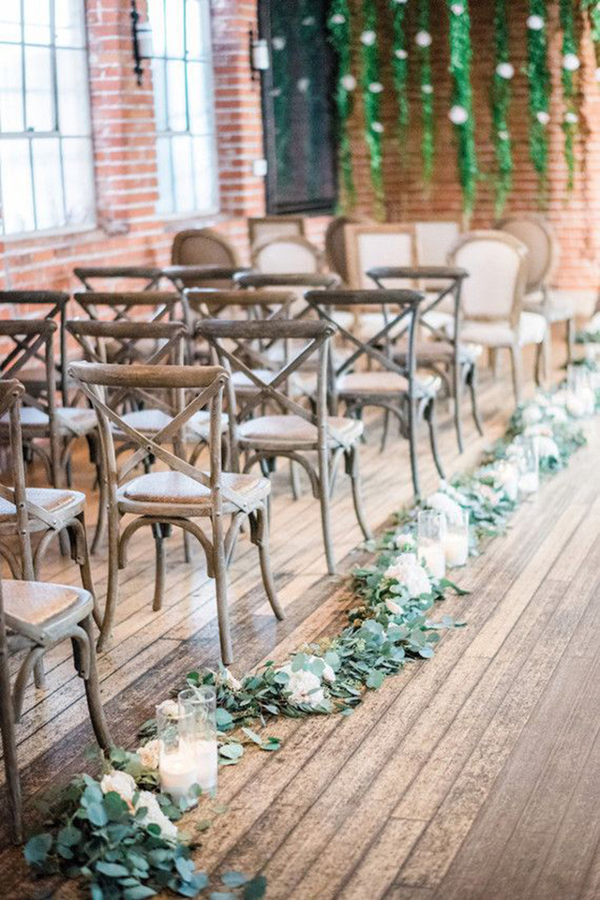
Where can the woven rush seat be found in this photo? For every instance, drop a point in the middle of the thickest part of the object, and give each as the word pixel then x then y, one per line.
pixel 41 611
pixel 53 500
pixel 183 495
pixel 70 419
pixel 292 431
pixel 355 383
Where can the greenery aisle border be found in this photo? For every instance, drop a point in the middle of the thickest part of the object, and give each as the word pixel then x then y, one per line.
pixel 372 88
pixel 501 99
pixel 569 69
pixel 423 40
pixel 340 35
pixel 461 111
pixel 119 834
pixel 539 90
pixel 400 68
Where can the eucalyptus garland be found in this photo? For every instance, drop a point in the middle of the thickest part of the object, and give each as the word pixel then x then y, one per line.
pixel 501 99
pixel 340 35
pixel 400 66
pixel 570 66
pixel 423 40
pixel 461 112
pixel 539 89
pixel 592 8
pixel 372 88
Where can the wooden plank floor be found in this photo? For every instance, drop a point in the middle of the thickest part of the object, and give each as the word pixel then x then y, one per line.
pixel 473 775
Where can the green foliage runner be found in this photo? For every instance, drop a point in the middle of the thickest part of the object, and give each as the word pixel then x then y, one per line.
pixel 501 99
pixel 372 87
pixel 570 66
pixel 539 90
pixel 423 40
pixel 461 112
pixel 340 35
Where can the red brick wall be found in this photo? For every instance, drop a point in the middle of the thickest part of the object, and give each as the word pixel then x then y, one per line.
pixel 576 219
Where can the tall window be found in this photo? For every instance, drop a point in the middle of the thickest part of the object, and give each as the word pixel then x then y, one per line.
pixel 46 163
pixel 183 99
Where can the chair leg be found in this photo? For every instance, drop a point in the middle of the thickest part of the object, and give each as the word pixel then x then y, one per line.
pixel 92 691
pixel 570 340
pixel 112 592
pixel 412 444
pixel 353 470
pixel 259 524
pixel 9 746
pixel 457 387
pixel 325 508
pixel 39 675
pixel 517 368
pixel 472 383
pixel 295 481
pixel 431 421
pixel 101 521
pixel 159 578
pixel 220 571
pixel 385 431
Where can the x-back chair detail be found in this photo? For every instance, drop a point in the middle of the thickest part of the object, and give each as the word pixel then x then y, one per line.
pixel 391 387
pixel 293 431
pixel 181 494
pixel 149 275
pixel 150 306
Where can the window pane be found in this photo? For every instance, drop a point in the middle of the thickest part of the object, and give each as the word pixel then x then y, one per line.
pixel 156 14
pixel 36 19
pixel 183 172
pixel 39 105
pixel 78 169
pixel 199 97
pixel 73 104
pixel 160 99
pixel 47 183
pixel 69 26
pixel 163 164
pixel 176 105
pixel 204 173
pixel 10 22
pixel 197 29
pixel 17 196
pixel 11 89
pixel 174 20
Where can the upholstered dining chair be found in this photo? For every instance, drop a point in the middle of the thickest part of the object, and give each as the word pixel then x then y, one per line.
pixel 203 247
pixel 149 276
pixel 262 228
pixel 292 254
pixel 182 493
pixel 536 233
pixel 492 297
pixel 336 252
pixel 385 383
pixel 292 430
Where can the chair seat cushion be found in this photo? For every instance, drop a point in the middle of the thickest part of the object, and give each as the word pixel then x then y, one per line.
pixel 70 419
pixel 532 329
pixel 357 384
pixel 42 612
pixel 151 421
pixel 554 309
pixel 54 500
pixel 439 352
pixel 293 431
pixel 179 494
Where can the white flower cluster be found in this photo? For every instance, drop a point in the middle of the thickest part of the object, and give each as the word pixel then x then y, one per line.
pixel 408 571
pixel 443 503
pixel 305 688
pixel 124 785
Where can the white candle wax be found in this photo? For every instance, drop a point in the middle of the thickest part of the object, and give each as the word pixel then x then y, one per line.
pixel 456 545
pixel 529 483
pixel 433 556
pixel 178 771
pixel 206 765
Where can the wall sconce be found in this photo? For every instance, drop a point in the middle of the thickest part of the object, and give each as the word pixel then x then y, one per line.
pixel 141 36
pixel 260 59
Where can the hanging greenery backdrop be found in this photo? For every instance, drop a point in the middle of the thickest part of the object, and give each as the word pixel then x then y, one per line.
pixel 340 31
pixel 400 68
pixel 372 87
pixel 501 99
pixel 539 89
pixel 424 40
pixel 592 8
pixel 461 112
pixel 570 66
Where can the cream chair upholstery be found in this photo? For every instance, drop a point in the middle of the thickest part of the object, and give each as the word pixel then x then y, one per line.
pixel 292 255
pixel 267 227
pixel 492 296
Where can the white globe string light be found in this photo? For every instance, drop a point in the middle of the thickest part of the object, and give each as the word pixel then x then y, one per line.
pixel 378 127
pixel 535 23
pixel 458 115
pixel 423 39
pixel 400 54
pixel 570 62
pixel 543 117
pixel 505 70
pixel 457 8
pixel 348 82
pixel 368 38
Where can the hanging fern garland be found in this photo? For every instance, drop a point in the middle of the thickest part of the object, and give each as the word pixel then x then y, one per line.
pixel 423 40
pixel 400 66
pixel 340 36
pixel 592 9
pixel 570 66
pixel 461 112
pixel 372 88
pixel 501 98
pixel 539 89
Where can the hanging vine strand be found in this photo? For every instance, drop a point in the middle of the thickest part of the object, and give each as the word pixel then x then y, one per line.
pixel 372 88
pixel 461 112
pixel 400 67
pixel 570 66
pixel 423 40
pixel 539 90
pixel 501 100
pixel 340 35
pixel 592 8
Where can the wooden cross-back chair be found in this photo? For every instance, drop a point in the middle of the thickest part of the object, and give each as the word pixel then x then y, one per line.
pixel 293 430
pixel 149 306
pixel 42 419
pixel 437 349
pixel 149 275
pixel 385 384
pixel 218 277
pixel 34 376
pixel 181 494
pixel 35 616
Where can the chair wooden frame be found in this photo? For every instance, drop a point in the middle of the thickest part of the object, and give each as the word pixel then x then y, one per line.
pixel 338 262
pixel 206 386
pixel 254 223
pixel 151 275
pixel 407 406
pixel 232 342
pixel 121 305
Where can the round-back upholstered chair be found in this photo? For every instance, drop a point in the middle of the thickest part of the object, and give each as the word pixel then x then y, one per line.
pixel 335 244
pixel 290 255
pixel 203 247
pixel 537 235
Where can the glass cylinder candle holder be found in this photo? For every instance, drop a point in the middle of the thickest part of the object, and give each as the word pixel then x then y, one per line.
pixel 177 765
pixel 456 540
pixel 201 704
pixel 507 478
pixel 581 388
pixel 529 465
pixel 431 530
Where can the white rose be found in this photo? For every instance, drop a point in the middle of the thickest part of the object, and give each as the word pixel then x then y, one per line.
pixel 328 673
pixel 405 541
pixel 278 43
pixel 348 82
pixel 368 38
pixel 547 448
pixel 543 117
pixel 504 135
pixel 121 783
pixel 303 84
pixel 376 87
pixel 304 688
pixel 458 115
pixel 505 70
pixel 557 414
pixel 444 504
pixel 400 54
pixel 338 19
pixel 155 816
pixel 535 23
pixel 532 414
pixel 149 754
pixel 427 88
pixel 393 607
pixel 423 39
pixel 570 62
pixel 378 127
pixel 571 118
pixel 308 21
pixel 409 572
pixel 458 9
pixel 575 406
